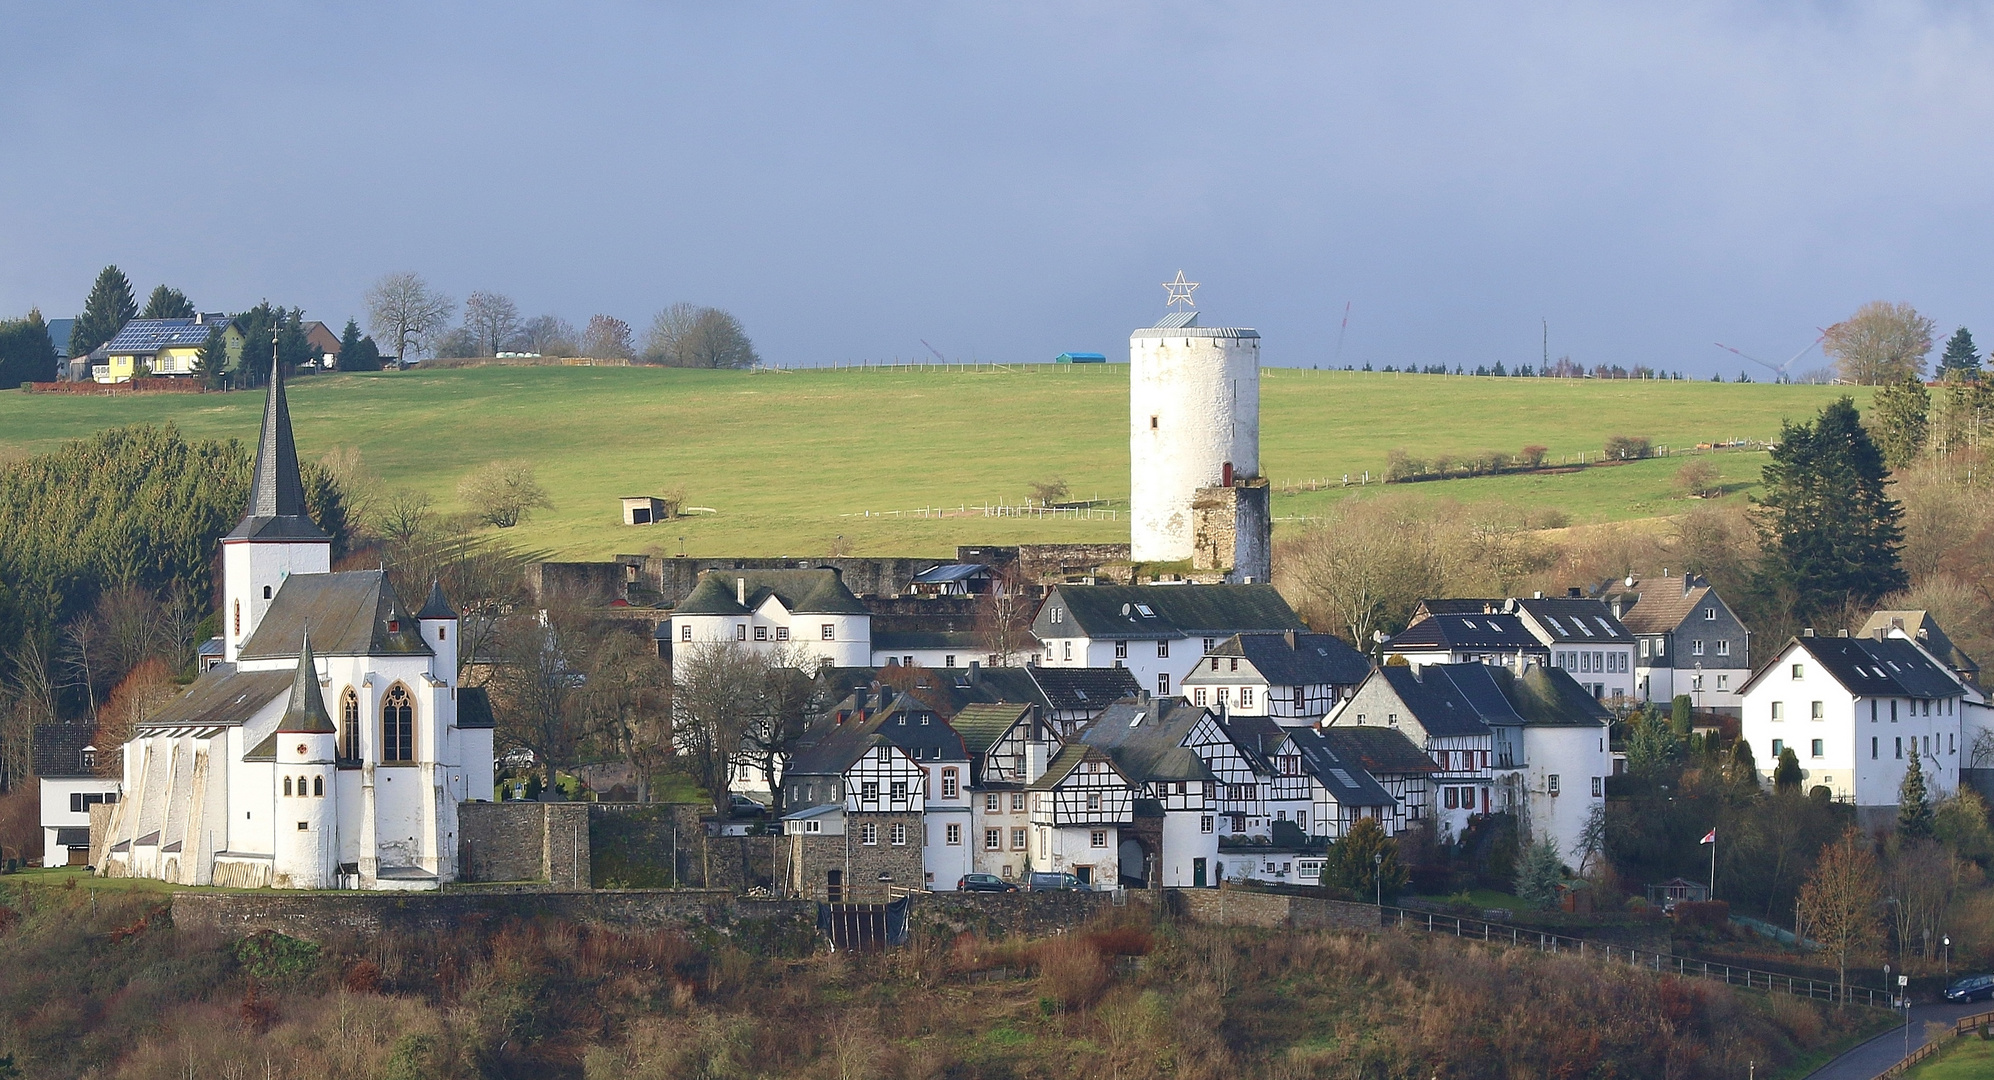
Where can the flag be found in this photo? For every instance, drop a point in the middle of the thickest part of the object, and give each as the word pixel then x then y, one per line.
pixel 1709 839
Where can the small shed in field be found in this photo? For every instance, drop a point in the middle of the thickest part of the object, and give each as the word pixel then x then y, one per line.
pixel 645 509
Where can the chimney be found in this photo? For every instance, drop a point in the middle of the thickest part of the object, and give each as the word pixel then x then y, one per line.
pixel 860 697
pixel 1289 635
pixel 975 673
pixel 1575 593
pixel 741 591
pixel 1687 581
pixel 1618 606
pixel 1808 632
pixel 1841 633
pixel 1881 633
pixel 1538 595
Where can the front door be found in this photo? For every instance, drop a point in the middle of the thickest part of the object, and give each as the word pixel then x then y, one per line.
pixel 1085 874
pixel 834 886
pixel 1197 873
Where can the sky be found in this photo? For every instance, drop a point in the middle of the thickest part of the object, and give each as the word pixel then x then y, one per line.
pixel 1009 181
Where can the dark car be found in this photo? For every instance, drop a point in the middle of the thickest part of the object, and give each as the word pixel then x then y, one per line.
pixel 741 806
pixel 984 883
pixel 1058 883
pixel 1972 988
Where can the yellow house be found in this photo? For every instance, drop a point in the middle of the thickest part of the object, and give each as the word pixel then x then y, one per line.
pixel 162 347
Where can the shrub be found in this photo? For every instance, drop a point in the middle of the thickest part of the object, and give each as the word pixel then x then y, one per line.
pixel 1629 447
pixel 1401 467
pixel 1703 912
pixel 1072 971
pixel 1698 480
pixel 503 493
pixel 1533 456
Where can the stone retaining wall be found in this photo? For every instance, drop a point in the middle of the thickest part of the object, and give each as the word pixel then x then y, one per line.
pixel 1229 907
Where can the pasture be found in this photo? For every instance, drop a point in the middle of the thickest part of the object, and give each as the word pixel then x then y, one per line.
pixel 898 460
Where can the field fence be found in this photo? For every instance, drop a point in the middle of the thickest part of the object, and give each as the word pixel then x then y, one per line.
pixel 1577 459
pixel 1085 510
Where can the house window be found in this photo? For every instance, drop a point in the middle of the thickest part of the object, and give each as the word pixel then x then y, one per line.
pixel 869 834
pixel 1222 692
pixel 1245 696
pixel 685 632
pixel 993 839
pixel 1696 682
pixel 1551 783
pixel 869 791
pixel 266 594
pixel 1723 681
pixel 1872 748
pixel 1093 802
pixel 1017 801
pixel 1816 711
pixel 1597 786
pixel 741 632
pixel 1696 647
pixel 899 835
pixel 948 660
pixel 952 834
pixel 1152 423
pixel 1777 746
pixel 1163 686
pixel 1900 748
pixel 1232 663
pixel 1066 650
pixel 1205 823
pixel 349 725
pixel 398 725
pixel 1799 672
pixel 1819 748
pixel 1298 701
pixel 1017 839
pixel 813 826
pixel 1710 614
pixel 761 633
pixel 899 791
pixel 1097 838
pixel 1778 711
pixel 948 782
pixel 1198 696
pixel 1450 798
pixel 287 787
pixel 1162 649
pixel 1724 648
pixel 828 631
pixel 1121 650
pixel 991 801
pixel 318 787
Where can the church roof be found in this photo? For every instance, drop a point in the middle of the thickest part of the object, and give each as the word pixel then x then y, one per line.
pixel 276 490
pixel 224 696
pixel 354 613
pixel 437 606
pixel 306 715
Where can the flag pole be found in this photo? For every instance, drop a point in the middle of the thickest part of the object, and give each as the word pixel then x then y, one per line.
pixel 1713 864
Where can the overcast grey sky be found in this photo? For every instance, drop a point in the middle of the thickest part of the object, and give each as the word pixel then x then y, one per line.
pixel 1013 180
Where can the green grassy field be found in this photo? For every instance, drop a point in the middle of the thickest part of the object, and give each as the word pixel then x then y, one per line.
pixel 789 461
pixel 1961 1060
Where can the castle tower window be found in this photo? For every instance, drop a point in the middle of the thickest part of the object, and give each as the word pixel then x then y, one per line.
pixel 318 787
pixel 287 787
pixel 398 725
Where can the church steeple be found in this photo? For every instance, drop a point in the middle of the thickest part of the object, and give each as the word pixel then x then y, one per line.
pixel 276 537
pixel 276 490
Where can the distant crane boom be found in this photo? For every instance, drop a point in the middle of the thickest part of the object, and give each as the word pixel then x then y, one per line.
pixel 937 352
pixel 1778 369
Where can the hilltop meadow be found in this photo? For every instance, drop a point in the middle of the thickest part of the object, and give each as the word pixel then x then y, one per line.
pixel 790 461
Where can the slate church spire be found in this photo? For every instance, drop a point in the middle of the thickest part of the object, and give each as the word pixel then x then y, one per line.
pixel 276 537
pixel 276 489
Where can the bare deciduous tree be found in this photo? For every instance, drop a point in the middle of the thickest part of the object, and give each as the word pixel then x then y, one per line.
pixel 1924 878
pixel 688 335
pixel 715 687
pixel 548 335
pixel 1004 617
pixel 404 310
pixel 607 338
pixel 540 689
pixel 1839 901
pixel 1881 343
pixel 779 716
pixel 1367 565
pixel 503 493
pixel 492 319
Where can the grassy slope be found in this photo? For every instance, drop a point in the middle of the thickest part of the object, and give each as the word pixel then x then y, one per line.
pixel 1965 1058
pixel 784 456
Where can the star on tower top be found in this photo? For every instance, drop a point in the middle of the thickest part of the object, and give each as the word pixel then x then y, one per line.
pixel 1180 292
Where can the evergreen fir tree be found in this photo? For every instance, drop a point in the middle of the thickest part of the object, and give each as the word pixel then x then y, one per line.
pixel 349 345
pixel 1914 805
pixel 1960 355
pixel 1679 714
pixel 1538 875
pixel 211 366
pixel 1364 864
pixel 167 303
pixel 1786 777
pixel 1898 414
pixel 26 353
pixel 1829 531
pixel 109 307
pixel 1743 769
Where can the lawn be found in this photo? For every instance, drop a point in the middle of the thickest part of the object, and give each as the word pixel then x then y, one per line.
pixel 1970 1058
pixel 790 461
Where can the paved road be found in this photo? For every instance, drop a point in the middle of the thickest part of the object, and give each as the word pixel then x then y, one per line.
pixel 1880 1053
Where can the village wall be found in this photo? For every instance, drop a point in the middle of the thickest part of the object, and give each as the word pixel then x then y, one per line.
pixel 1230 907
pixel 524 841
pixel 598 581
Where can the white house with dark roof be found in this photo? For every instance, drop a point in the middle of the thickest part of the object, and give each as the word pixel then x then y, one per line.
pixel 1295 678
pixel 1688 641
pixel 1157 632
pixel 809 612
pixel 1586 641
pixel 1855 710
pixel 67 767
pixel 1174 839
pixel 1078 808
pixel 1449 637
pixel 250 778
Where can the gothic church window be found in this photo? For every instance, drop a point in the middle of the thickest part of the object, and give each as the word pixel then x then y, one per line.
pixel 349 725
pixel 398 725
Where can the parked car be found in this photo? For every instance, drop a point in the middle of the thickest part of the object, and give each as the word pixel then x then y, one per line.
pixel 1058 882
pixel 741 806
pixel 1972 988
pixel 984 883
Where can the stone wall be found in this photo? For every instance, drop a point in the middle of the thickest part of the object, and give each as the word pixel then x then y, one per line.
pixel 595 581
pixel 1231 907
pixel 525 841
pixel 1232 530
pixel 1055 564
pixel 807 861
pixel 999 915
pixel 673 579
pixel 659 845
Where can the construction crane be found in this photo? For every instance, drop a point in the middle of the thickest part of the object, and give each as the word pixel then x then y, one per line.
pixel 1779 370
pixel 937 352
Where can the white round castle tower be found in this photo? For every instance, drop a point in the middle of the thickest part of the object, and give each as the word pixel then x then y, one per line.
pixel 1194 423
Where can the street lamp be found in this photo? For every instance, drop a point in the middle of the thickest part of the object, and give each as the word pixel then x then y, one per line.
pixel 1378 875
pixel 1946 946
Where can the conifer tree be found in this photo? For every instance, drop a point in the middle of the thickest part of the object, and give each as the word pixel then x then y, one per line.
pixel 26 353
pixel 1743 769
pixel 1829 530
pixel 109 307
pixel 211 365
pixel 167 303
pixel 1787 776
pixel 1914 805
pixel 1960 356
pixel 1898 416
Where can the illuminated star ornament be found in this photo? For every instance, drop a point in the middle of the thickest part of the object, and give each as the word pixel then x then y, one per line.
pixel 1180 292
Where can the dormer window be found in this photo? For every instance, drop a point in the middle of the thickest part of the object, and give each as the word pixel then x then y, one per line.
pixel 89 759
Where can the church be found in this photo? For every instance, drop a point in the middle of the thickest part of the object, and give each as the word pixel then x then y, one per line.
pixel 328 749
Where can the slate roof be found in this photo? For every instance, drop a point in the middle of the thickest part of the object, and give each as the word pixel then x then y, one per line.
pixel 1077 689
pixel 910 640
pixel 276 491
pixel 1344 779
pixel 981 725
pixel 1663 607
pixel 1445 705
pixel 830 747
pixel 1920 625
pixel 1292 659
pixel 1893 667
pixel 950 572
pixel 1377 749
pixel 348 613
pixel 224 696
pixel 812 592
pixel 1063 763
pixel 305 713
pixel 1549 697
pixel 1450 632
pixel 474 708
pixel 1146 739
pixel 1259 736
pixel 1577 620
pixel 59 749
pixel 437 606
pixel 1145 612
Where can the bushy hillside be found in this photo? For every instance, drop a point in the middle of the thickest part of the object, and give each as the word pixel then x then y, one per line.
pixel 792 461
pixel 118 992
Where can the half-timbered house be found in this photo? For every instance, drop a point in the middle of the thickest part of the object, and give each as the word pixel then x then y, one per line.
pixel 1340 791
pixel 1008 745
pixel 1440 708
pixel 856 809
pixel 1079 806
pixel 1173 841
pixel 1293 677
pixel 1399 766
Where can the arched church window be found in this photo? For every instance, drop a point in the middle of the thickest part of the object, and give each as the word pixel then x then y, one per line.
pixel 398 725
pixel 349 725
pixel 318 787
pixel 287 787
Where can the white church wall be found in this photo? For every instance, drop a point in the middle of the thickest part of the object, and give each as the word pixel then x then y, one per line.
pixel 250 569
